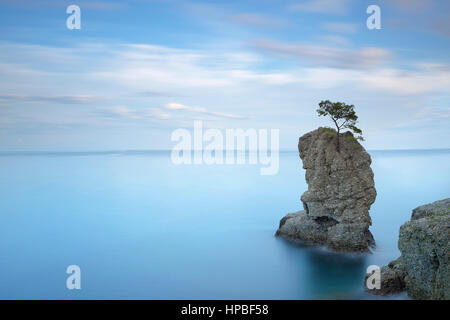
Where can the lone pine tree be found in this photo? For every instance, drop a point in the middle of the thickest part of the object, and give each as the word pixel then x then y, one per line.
pixel 343 116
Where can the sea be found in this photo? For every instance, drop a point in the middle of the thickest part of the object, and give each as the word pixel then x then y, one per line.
pixel 139 226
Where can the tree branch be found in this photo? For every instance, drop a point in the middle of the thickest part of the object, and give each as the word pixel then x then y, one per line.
pixel 335 123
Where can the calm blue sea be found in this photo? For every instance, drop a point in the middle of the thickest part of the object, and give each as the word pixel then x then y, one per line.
pixel 140 227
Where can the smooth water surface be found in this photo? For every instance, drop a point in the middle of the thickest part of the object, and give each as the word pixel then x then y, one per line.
pixel 141 227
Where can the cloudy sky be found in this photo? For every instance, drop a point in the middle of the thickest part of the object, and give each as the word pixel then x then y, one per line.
pixel 137 70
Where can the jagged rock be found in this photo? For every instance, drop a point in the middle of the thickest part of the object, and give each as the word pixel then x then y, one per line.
pixel 340 192
pixel 423 268
pixel 425 246
pixel 437 208
pixel 325 231
pixel 392 278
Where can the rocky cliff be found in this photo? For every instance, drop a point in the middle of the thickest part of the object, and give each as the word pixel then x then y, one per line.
pixel 423 268
pixel 340 192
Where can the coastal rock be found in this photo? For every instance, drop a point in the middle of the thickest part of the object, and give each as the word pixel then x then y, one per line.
pixel 437 208
pixel 392 278
pixel 425 246
pixel 340 192
pixel 423 268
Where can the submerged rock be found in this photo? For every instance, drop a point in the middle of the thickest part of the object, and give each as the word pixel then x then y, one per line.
pixel 423 268
pixel 392 279
pixel 340 192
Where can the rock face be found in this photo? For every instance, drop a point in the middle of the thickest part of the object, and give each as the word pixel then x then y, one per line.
pixel 423 268
pixel 340 192
pixel 392 278
pixel 425 246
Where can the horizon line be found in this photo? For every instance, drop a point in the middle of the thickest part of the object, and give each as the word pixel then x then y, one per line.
pixel 169 150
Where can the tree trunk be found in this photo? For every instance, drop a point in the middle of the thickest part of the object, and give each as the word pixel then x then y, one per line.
pixel 338 146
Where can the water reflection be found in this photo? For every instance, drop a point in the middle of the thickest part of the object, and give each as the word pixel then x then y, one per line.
pixel 334 276
pixel 323 274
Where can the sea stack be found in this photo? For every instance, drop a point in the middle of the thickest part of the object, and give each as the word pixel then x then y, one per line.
pixel 340 192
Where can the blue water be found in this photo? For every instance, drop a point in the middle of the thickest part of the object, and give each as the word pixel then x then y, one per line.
pixel 140 227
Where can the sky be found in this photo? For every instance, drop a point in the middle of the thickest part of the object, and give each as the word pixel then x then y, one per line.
pixel 138 70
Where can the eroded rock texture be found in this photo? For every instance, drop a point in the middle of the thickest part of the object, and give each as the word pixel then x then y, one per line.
pixel 424 266
pixel 425 246
pixel 340 192
pixel 392 279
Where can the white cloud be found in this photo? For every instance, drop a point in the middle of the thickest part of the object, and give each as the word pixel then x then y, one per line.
pixel 85 4
pixel 140 68
pixel 257 20
pixel 125 112
pixel 221 87
pixel 322 6
pixel 66 99
pixel 336 40
pixel 425 118
pixel 419 16
pixel 411 5
pixel 135 114
pixel 139 65
pixel 433 113
pixel 330 77
pixel 424 79
pixel 322 56
pixel 159 114
pixel 278 78
pixel 342 27
pixel 181 107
